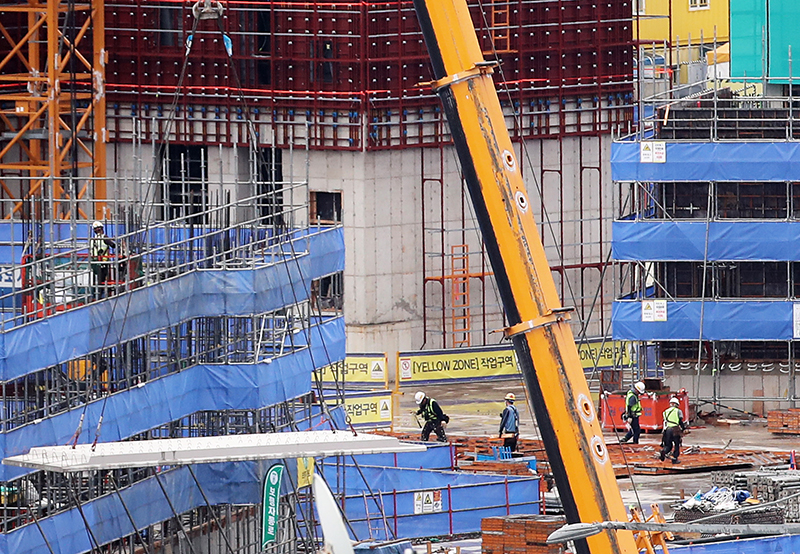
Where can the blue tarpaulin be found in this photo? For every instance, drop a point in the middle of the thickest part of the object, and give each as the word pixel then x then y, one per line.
pixel 709 161
pixel 649 240
pixel 722 320
pixel 417 501
pixel 784 544
pixel 177 395
pixel 208 293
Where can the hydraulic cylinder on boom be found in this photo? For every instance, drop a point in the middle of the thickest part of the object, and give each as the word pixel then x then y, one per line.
pixel 538 324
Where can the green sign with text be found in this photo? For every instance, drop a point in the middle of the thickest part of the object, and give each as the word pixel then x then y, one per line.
pixel 269 511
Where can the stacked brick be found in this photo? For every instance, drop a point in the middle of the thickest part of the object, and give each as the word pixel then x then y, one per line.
pixel 786 422
pixel 521 534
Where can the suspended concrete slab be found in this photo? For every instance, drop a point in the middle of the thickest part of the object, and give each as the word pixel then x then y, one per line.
pixel 206 450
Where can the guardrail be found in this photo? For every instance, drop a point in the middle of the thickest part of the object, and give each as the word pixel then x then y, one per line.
pixel 48 268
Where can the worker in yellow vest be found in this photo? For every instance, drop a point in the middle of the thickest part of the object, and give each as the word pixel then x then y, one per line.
pixel 674 425
pixel 633 409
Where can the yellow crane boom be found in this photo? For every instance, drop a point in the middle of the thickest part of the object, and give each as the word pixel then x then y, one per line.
pixel 539 328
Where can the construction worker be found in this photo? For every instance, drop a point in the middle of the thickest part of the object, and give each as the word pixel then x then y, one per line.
pixel 435 419
pixel 633 409
pixel 99 245
pixel 674 425
pixel 509 423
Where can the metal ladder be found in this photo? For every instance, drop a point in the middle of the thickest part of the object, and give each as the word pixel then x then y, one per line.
pixel 380 516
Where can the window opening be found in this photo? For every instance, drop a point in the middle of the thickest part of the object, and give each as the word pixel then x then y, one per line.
pixel 269 187
pixel 325 207
pixel 187 192
pixel 327 293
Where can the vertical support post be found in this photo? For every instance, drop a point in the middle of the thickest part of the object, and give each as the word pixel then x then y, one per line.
pixel 508 505
pixel 450 508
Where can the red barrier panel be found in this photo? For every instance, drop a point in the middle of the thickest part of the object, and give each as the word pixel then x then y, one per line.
pixel 612 406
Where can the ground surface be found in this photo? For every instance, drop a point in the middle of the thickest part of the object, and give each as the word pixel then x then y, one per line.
pixel 474 409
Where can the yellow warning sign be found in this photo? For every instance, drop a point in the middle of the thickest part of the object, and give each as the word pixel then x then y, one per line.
pixel 369 409
pixel 604 354
pixel 358 371
pixel 472 364
pixel 463 364
pixel 305 472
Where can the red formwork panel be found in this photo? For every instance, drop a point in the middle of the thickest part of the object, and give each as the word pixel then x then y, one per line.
pixel 310 56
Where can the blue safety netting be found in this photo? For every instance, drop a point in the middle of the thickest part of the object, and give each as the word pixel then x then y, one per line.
pixel 721 321
pixel 224 483
pixel 783 544
pixel 709 161
pixel 464 503
pixel 464 499
pixel 201 293
pixel 177 395
pixel 437 456
pixel 648 240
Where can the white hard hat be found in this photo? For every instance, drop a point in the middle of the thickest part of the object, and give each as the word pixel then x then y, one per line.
pixel 639 386
pixel 419 397
pixel 97 224
pixel 510 396
pixel 674 400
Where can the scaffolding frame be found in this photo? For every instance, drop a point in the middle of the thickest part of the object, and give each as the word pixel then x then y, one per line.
pixel 745 109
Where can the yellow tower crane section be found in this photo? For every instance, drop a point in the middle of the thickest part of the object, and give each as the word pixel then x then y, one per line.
pixel 53 106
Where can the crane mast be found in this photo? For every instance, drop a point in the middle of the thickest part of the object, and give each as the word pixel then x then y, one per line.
pixel 538 324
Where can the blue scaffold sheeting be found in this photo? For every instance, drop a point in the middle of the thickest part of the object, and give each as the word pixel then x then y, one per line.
pixel 437 456
pixel 224 483
pixel 649 240
pixel 177 395
pixel 416 501
pixel 202 293
pixel 783 544
pixel 709 161
pixel 721 321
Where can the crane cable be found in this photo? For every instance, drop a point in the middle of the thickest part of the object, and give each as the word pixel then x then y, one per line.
pixel 146 217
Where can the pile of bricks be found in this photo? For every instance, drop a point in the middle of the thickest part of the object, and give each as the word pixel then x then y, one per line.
pixel 784 422
pixel 520 534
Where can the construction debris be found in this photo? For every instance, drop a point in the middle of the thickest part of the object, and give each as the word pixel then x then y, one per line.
pixel 767 485
pixel 481 454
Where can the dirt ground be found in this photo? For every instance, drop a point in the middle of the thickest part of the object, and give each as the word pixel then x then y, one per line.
pixel 474 409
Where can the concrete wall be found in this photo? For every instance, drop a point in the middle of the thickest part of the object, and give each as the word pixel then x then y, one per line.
pixel 403 208
pixel 382 198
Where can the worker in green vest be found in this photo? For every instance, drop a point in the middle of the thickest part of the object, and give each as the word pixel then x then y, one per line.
pixel 674 425
pixel 435 418
pixel 633 409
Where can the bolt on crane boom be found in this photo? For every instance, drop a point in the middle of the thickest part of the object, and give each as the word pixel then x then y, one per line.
pixel 539 327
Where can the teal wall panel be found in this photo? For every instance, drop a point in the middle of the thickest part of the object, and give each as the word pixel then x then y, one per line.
pixel 784 16
pixel 748 19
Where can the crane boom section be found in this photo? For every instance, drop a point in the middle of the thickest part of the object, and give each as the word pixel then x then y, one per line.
pixel 539 328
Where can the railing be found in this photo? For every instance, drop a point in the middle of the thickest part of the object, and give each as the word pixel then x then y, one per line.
pixel 42 494
pixel 48 268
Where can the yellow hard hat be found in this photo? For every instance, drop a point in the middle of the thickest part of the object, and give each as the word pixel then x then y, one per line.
pixel 510 396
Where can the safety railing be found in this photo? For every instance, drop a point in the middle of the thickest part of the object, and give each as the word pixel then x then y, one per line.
pixel 716 109
pixel 47 267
